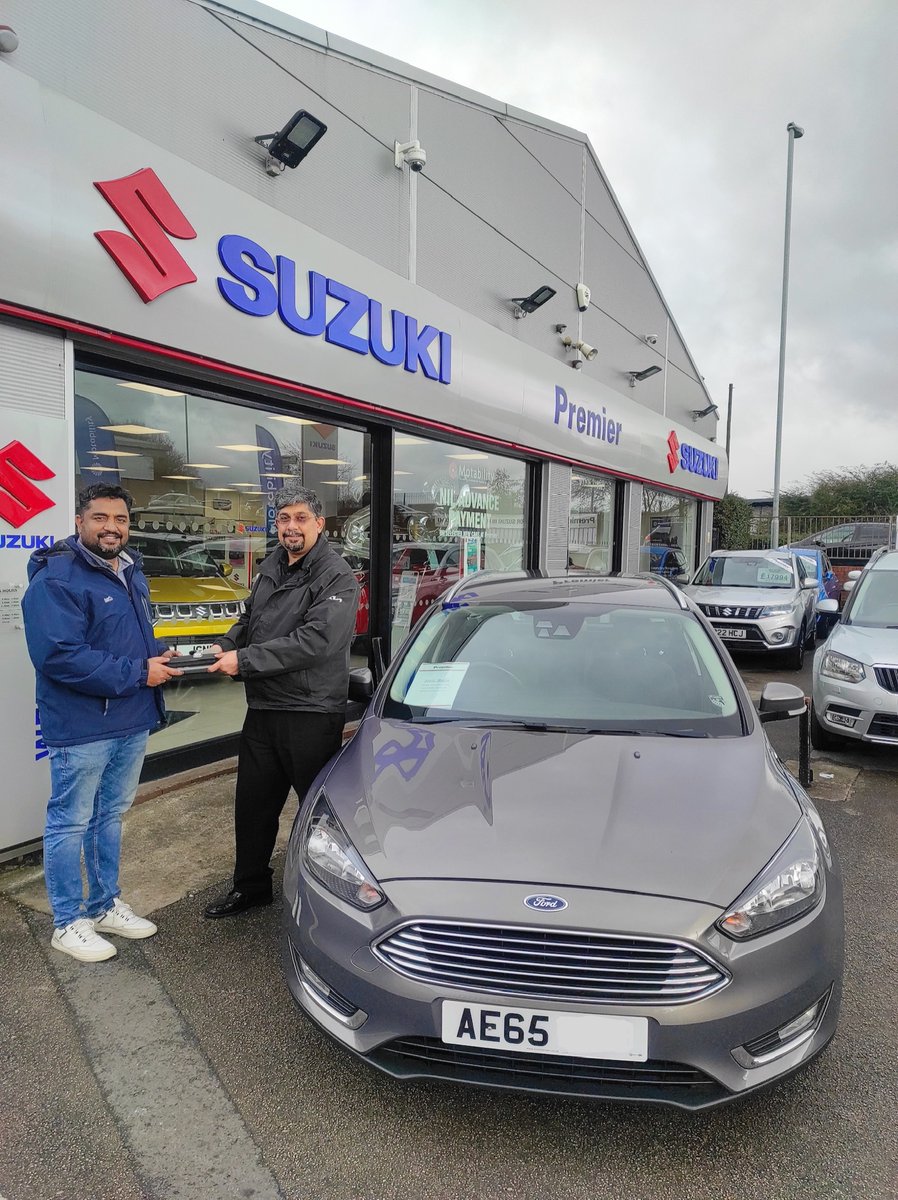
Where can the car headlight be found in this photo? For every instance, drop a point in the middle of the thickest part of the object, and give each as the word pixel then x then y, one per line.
pixel 788 887
pixel 839 666
pixel 776 610
pixel 331 857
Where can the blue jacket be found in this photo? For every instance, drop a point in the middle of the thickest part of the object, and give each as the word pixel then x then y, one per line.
pixel 89 638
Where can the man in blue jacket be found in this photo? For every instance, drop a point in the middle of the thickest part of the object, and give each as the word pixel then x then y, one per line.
pixel 99 668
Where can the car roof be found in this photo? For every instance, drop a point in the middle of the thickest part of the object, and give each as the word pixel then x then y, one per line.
pixel 494 587
pixel 887 561
pixel 767 553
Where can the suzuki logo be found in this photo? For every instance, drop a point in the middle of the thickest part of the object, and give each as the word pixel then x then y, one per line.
pixel 673 456
pixel 20 500
pixel 149 260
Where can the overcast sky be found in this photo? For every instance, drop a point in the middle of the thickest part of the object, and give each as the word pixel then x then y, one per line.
pixel 686 103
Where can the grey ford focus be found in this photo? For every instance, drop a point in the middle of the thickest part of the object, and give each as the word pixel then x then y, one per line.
pixel 560 855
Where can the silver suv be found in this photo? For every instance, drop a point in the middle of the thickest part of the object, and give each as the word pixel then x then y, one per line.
pixel 855 686
pixel 759 600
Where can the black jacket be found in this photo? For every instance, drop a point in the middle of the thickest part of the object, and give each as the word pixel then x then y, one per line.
pixel 293 640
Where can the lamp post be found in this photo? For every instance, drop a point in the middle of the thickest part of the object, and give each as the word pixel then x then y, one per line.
pixel 794 131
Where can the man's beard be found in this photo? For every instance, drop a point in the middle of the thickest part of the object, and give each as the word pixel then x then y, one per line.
pixel 109 551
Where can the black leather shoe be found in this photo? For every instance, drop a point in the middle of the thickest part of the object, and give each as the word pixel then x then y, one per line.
pixel 235 902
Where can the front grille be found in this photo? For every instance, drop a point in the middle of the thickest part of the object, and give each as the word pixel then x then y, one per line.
pixel 736 612
pixel 653 1080
pixel 549 963
pixel 887 678
pixel 884 725
pixel 217 611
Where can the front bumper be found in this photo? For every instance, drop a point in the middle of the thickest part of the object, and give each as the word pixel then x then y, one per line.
pixel 690 1047
pixel 863 711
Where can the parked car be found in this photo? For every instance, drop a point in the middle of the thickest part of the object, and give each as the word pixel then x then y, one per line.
pixel 192 599
pixel 409 524
pixel 855 677
pixel 759 600
pixel 829 586
pixel 517 875
pixel 669 561
pixel 853 540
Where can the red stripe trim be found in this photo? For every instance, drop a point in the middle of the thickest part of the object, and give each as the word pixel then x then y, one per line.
pixel 223 368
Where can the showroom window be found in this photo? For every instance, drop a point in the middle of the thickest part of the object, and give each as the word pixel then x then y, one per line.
pixel 668 533
pixel 455 511
pixel 591 524
pixel 204 474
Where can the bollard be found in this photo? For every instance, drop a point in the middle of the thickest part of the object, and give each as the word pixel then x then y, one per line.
pixel 805 774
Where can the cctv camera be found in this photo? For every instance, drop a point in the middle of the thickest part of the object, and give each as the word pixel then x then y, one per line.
pixel 588 352
pixel 583 295
pixel 416 158
pixel 412 154
pixel 651 339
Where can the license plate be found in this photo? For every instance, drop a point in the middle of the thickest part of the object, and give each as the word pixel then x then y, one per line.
pixel 537 1031
pixel 729 631
pixel 195 648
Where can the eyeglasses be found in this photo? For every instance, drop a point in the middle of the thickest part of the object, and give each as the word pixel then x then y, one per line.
pixel 283 521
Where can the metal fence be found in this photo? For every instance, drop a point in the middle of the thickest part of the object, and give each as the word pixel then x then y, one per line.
pixel 848 541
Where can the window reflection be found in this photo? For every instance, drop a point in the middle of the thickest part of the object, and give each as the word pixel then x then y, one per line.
pixel 668 534
pixel 591 522
pixel 204 475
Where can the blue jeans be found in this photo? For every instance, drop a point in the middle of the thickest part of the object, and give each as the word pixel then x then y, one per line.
pixel 92 786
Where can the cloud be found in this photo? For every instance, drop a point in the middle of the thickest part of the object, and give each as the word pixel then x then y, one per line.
pixel 686 105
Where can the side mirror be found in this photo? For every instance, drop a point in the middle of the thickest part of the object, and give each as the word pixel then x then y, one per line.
pixel 780 702
pixel 227 569
pixel 854 575
pixel 361 685
pixel 810 584
pixel 828 606
pixel 849 585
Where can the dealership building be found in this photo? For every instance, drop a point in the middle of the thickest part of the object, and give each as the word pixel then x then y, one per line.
pixel 439 319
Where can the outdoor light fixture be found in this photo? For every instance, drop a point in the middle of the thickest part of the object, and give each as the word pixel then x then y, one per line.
pixel 529 304
pixel 289 146
pixel 578 347
pixel 698 413
pixel 639 376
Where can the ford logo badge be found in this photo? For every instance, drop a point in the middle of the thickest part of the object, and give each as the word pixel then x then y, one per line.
pixel 543 903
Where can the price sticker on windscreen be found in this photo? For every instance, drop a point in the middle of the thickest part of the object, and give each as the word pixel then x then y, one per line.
pixel 778 576
pixel 436 684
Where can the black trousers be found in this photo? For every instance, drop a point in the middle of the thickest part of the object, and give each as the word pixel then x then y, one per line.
pixel 279 749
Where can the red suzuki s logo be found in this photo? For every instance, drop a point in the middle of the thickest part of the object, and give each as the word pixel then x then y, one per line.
pixel 20 500
pixel 673 453
pixel 148 260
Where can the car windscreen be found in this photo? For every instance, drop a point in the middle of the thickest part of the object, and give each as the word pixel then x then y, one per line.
pixel 875 602
pixel 174 556
pixel 577 666
pixel 760 572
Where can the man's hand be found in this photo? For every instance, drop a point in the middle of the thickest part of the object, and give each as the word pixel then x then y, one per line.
pixel 227 662
pixel 158 670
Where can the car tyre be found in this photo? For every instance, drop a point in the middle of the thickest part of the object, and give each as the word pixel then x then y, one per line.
pixel 821 738
pixel 793 658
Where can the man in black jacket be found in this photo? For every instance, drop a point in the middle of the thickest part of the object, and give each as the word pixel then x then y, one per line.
pixel 291 649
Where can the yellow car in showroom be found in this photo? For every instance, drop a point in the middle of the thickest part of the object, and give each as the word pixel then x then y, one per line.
pixel 193 600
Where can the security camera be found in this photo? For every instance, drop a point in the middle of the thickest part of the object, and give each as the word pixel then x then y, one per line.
pixel 411 154
pixel 583 294
pixel 651 339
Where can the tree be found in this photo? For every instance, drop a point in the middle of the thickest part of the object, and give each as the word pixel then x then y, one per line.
pixel 849 492
pixel 732 517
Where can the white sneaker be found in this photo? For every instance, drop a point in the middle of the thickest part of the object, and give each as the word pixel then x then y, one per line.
pixel 123 921
pixel 79 939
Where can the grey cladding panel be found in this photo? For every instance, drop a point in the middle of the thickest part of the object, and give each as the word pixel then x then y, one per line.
pixel 32 374
pixel 600 204
pixel 468 263
pixel 620 285
pixel 474 157
pixel 560 156
pixel 207 108
pixel 556 493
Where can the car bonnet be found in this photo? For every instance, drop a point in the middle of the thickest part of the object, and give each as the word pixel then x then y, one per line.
pixel 688 818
